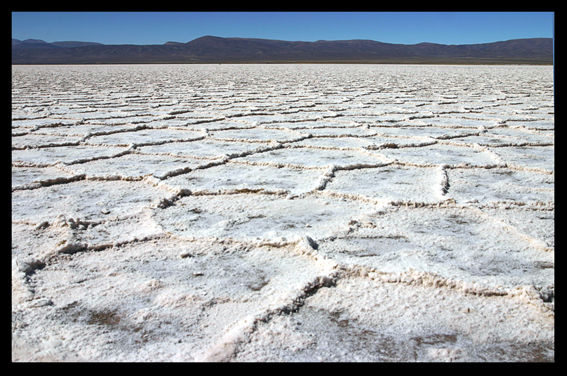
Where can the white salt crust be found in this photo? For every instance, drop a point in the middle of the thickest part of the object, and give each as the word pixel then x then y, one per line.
pixel 267 213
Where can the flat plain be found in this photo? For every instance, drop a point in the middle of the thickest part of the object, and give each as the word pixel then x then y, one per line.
pixel 283 213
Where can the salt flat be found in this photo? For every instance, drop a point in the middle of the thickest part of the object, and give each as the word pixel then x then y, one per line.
pixel 297 213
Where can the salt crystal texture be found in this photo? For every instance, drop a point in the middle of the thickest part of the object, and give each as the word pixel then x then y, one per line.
pixel 204 213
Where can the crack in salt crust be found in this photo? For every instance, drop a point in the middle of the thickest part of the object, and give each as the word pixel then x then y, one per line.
pixel 282 213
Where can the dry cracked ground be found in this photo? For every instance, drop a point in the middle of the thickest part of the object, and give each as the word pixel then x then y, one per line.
pixel 283 213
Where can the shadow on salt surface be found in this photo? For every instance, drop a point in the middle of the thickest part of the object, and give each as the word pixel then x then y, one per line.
pixel 459 244
pixel 253 217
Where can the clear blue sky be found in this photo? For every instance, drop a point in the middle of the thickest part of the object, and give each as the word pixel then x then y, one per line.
pixel 391 27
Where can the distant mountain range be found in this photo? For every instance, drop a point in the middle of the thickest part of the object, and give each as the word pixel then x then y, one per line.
pixel 211 49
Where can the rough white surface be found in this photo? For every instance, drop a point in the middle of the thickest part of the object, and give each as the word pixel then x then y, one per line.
pixel 373 213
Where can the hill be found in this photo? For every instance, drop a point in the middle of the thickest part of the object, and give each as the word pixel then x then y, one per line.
pixel 211 49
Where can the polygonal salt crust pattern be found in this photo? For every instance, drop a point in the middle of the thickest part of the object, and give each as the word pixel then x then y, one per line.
pixel 335 142
pixel 256 135
pixel 339 132
pixel 30 176
pixel 282 213
pixel 540 158
pixel 396 322
pixel 32 141
pixel 64 154
pixel 202 148
pixel 440 154
pixel 487 186
pixel 236 176
pixel 458 244
pixel 537 225
pixel 85 200
pixel 310 158
pixel 145 136
pixel 133 165
pixel 405 131
pixel 263 217
pixel 391 183
pixel 136 298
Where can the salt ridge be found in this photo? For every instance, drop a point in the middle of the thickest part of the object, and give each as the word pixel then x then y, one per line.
pixel 108 189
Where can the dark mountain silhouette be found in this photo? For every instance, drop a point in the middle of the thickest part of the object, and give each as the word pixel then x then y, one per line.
pixel 211 49
pixel 76 44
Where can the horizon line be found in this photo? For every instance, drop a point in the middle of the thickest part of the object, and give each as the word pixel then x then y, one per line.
pixel 272 39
